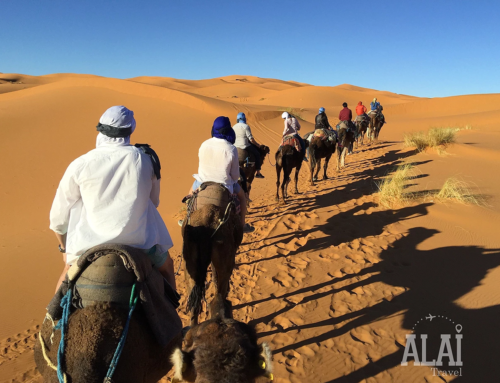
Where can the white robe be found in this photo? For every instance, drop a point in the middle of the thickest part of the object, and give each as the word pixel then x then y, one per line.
pixel 109 195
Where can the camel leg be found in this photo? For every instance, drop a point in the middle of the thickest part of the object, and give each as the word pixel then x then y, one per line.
pixel 344 151
pixel 318 166
pixel 278 173
pixel 339 154
pixel 296 179
pixel 325 168
pixel 284 185
pixel 311 168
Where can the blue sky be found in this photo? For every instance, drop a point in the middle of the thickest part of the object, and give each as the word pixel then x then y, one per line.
pixel 427 48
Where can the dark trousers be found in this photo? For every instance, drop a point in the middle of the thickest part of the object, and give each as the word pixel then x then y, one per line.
pixel 258 161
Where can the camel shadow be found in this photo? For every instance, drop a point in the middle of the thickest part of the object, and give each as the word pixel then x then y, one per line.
pixel 433 281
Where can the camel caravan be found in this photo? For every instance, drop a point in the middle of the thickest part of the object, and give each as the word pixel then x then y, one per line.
pixel 114 317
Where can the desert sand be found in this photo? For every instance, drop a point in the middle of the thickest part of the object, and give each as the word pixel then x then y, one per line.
pixel 332 281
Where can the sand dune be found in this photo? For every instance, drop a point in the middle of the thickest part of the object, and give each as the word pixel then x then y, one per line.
pixel 332 281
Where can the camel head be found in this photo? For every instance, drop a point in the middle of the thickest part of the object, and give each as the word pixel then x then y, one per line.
pixel 221 350
pixel 264 151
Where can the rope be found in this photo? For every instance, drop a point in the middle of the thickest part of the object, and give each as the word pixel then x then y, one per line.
pixel 49 317
pixel 46 357
pixel 224 219
pixel 63 326
pixel 269 159
pixel 179 268
pixel 123 338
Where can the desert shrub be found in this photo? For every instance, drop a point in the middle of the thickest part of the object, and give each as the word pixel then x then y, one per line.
pixel 459 191
pixel 392 187
pixel 441 136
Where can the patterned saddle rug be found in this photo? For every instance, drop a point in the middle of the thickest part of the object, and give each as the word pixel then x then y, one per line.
pixel 292 141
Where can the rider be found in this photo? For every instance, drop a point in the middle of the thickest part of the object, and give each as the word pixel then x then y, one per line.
pixel 345 116
pixel 376 107
pixel 361 110
pixel 322 120
pixel 292 127
pixel 111 195
pixel 245 141
pixel 219 163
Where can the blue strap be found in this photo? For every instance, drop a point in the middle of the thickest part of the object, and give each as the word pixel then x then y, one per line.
pixel 63 326
pixel 121 343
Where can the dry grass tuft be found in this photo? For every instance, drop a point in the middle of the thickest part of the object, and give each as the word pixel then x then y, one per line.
pixel 441 137
pixel 459 191
pixel 392 188
pixel 416 140
pixel 437 138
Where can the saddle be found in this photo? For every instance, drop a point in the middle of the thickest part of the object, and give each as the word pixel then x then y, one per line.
pixel 326 134
pixel 211 193
pixel 108 273
pixel 292 141
pixel 361 118
pixel 246 158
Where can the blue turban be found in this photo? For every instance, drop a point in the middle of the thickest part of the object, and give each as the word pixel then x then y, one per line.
pixel 222 129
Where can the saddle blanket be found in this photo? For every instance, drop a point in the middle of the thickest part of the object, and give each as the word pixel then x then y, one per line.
pixel 292 141
pixel 211 193
pixel 326 134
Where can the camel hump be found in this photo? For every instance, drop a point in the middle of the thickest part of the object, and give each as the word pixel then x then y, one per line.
pixel 106 280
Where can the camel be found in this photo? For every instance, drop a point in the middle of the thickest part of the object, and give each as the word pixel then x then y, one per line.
pixel 212 235
pixel 346 138
pixel 221 350
pixel 375 126
pixel 247 163
pixel 103 296
pixel 287 158
pixel 319 149
pixel 362 127
pixel 91 340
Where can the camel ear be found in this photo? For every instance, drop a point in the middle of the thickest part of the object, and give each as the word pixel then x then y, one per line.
pixel 266 363
pixel 183 366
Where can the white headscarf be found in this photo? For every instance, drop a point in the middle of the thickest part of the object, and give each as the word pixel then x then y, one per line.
pixel 118 117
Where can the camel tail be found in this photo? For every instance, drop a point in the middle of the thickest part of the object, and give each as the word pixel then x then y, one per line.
pixel 194 300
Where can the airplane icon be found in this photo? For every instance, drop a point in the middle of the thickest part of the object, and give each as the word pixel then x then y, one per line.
pixel 430 317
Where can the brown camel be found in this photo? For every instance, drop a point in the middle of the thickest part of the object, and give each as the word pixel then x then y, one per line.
pixel 319 149
pixel 247 163
pixel 346 139
pixel 212 234
pixel 376 124
pixel 90 343
pixel 287 158
pixel 362 127
pixel 222 350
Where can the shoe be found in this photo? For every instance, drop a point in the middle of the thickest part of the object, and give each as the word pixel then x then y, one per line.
pixel 248 228
pixel 180 222
pixel 259 176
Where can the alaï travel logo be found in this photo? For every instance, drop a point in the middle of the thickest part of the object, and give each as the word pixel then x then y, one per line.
pixel 436 342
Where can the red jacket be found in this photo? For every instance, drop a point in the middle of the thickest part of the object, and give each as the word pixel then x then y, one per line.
pixel 345 115
pixel 360 109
